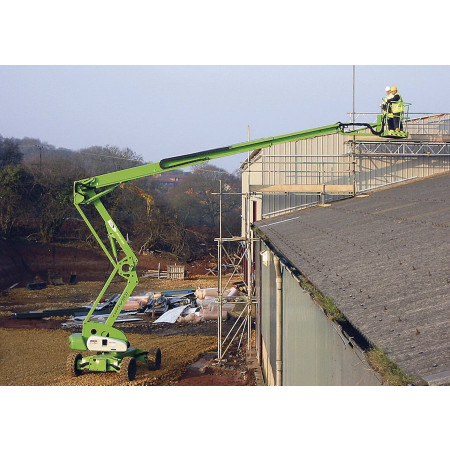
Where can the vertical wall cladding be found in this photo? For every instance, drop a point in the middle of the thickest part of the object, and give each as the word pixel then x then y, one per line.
pixel 435 124
pixel 251 175
pixel 343 159
pixel 302 162
pixel 314 351
pixel 257 287
pixel 382 164
pixel 318 160
pixel 268 329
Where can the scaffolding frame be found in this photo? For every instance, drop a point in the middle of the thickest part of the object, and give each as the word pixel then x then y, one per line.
pixel 402 148
pixel 244 320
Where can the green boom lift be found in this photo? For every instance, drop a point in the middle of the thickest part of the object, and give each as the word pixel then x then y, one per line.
pixel 111 347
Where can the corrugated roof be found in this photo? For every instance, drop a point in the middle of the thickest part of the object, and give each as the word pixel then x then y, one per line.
pixel 385 261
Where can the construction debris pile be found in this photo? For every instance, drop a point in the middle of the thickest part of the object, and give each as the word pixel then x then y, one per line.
pixel 171 306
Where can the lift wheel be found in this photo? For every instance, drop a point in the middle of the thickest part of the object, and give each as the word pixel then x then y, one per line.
pixel 153 359
pixel 128 368
pixel 72 365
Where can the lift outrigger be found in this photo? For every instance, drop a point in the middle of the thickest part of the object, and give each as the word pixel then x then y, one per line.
pixel 113 352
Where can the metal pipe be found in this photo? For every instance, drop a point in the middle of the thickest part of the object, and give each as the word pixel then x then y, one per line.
pixel 242 333
pixel 279 322
pixel 241 326
pixel 411 114
pixel 409 155
pixel 308 156
pixel 353 112
pixel 249 269
pixel 219 267
pixel 306 205
pixel 235 323
pixel 386 184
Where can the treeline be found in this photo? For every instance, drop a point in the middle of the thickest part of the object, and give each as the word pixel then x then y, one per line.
pixel 36 200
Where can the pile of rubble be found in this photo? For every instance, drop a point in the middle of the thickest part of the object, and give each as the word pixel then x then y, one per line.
pixel 204 306
pixel 170 306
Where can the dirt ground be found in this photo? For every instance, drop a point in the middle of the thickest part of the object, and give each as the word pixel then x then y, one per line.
pixel 33 352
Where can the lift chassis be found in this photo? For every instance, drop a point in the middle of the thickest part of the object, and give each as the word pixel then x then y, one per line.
pixel 111 346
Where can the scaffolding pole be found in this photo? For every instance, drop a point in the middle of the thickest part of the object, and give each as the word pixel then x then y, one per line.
pixel 219 289
pixel 244 320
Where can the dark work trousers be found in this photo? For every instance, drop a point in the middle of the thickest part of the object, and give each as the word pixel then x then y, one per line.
pixel 394 123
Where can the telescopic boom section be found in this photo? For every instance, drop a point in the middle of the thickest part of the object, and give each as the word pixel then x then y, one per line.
pixel 88 191
pixel 197 158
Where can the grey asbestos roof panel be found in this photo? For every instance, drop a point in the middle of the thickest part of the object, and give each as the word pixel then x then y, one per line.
pixel 384 259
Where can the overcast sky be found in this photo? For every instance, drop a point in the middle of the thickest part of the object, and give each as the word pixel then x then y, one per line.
pixel 161 111
pixel 175 77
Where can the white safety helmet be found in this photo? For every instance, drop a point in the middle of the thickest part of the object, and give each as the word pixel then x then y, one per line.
pixel 387 88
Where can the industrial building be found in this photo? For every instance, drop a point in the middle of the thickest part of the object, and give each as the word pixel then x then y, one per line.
pixel 361 223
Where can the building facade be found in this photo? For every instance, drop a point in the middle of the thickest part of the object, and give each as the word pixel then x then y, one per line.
pixel 313 349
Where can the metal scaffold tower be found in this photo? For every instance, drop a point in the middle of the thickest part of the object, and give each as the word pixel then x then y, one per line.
pixel 235 260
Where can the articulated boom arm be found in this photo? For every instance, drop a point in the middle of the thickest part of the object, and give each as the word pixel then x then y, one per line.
pixel 89 191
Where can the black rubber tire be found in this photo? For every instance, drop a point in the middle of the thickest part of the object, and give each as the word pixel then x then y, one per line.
pixel 71 365
pixel 128 368
pixel 153 359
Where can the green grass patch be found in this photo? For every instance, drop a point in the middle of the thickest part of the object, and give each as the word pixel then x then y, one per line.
pixel 324 301
pixel 390 373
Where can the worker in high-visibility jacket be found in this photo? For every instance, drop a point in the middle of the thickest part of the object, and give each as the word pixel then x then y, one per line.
pixel 393 106
pixel 388 93
pixel 385 105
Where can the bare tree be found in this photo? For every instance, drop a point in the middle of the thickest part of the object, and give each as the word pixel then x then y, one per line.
pixel 9 152
pixel 17 189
